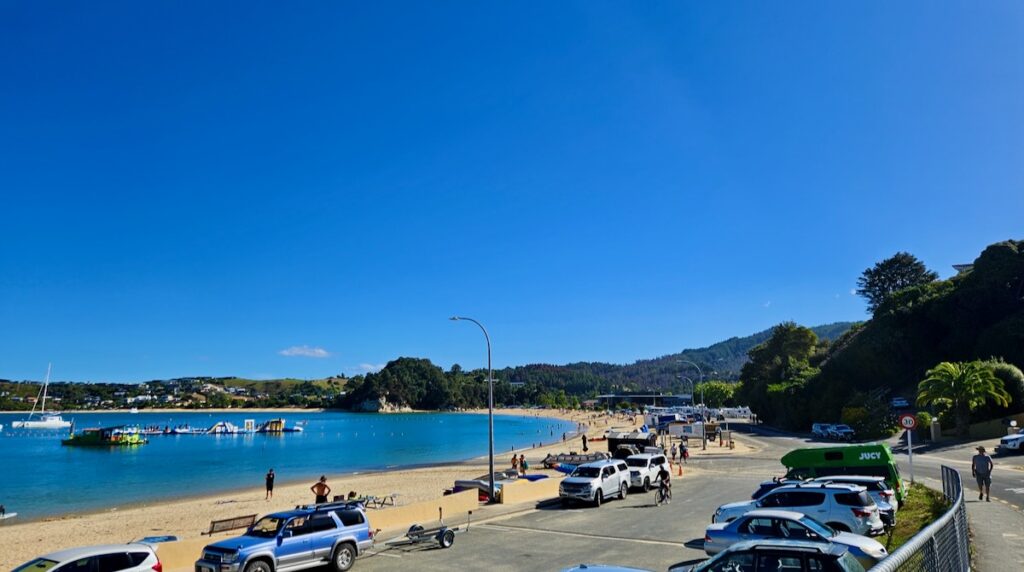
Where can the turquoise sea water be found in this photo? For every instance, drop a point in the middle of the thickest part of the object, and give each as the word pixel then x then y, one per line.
pixel 43 478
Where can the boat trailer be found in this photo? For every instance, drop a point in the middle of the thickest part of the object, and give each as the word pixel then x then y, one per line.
pixel 442 534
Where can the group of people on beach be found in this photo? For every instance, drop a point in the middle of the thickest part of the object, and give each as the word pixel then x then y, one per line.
pixel 320 489
pixel 519 464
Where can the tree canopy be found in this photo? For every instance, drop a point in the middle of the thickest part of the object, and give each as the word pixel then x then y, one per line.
pixel 898 272
pixel 962 387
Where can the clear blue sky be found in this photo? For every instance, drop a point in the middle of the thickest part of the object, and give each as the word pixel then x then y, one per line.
pixel 194 188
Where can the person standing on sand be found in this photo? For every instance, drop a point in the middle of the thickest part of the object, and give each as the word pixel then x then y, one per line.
pixel 981 470
pixel 515 463
pixel 321 490
pixel 270 485
pixel 522 464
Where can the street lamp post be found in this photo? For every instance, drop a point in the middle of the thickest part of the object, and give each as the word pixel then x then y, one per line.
pixel 703 406
pixel 490 409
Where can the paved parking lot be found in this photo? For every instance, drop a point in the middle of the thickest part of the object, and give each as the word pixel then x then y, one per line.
pixel 630 533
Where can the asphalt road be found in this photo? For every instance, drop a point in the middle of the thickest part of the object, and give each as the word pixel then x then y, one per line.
pixel 636 533
pixel 633 532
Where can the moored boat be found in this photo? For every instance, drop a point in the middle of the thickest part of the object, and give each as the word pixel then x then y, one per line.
pixel 120 436
pixel 51 420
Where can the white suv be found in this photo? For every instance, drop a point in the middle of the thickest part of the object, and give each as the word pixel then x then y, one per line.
pixel 846 508
pixel 111 557
pixel 644 469
pixel 1011 444
pixel 594 482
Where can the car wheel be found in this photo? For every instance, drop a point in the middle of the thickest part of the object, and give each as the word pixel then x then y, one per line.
pixel 598 498
pixel 647 485
pixel 344 557
pixel 257 566
pixel 623 489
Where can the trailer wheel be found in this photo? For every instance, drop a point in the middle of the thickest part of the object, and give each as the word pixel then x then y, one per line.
pixel 414 529
pixel 447 538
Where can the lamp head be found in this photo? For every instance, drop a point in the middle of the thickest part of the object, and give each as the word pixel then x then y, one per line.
pixel 456 318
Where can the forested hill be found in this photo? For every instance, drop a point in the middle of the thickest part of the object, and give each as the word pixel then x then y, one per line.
pixel 725 358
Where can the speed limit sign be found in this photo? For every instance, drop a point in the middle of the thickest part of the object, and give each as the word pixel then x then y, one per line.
pixel 908 421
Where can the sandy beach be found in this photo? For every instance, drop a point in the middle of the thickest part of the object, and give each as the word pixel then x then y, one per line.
pixel 186 518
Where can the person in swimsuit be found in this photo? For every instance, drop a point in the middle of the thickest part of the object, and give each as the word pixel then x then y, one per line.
pixel 321 490
pixel 270 485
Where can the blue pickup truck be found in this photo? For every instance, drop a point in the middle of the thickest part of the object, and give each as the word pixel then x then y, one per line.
pixel 306 537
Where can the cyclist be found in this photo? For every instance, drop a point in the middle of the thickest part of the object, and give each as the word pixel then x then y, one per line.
pixel 664 483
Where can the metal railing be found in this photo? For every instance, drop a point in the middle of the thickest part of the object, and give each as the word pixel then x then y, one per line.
pixel 942 546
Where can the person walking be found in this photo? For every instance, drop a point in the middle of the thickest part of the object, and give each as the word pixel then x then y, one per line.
pixel 522 465
pixel 270 485
pixel 321 490
pixel 515 463
pixel 981 470
pixel 685 453
pixel 674 452
pixel 585 449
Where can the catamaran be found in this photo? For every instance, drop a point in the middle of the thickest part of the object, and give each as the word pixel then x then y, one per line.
pixel 51 420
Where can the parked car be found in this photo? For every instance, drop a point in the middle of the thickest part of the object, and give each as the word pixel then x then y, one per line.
pixel 879 491
pixel 874 459
pixel 307 537
pixel 134 557
pixel 768 486
pixel 1011 444
pixel 776 555
pixel 594 482
pixel 789 525
pixel 644 469
pixel 821 430
pixel 846 508
pixel 841 433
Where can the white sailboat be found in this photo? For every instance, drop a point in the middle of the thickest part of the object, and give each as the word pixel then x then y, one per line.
pixel 51 420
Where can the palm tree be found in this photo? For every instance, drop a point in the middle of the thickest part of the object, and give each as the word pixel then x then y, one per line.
pixel 962 387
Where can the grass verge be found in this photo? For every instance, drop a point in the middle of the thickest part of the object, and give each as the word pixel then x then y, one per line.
pixel 923 507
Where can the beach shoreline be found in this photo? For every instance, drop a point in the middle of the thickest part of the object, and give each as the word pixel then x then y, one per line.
pixel 186 516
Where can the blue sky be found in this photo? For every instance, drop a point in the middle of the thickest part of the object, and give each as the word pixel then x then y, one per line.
pixel 196 188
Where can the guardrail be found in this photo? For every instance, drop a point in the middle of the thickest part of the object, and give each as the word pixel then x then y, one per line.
pixel 942 546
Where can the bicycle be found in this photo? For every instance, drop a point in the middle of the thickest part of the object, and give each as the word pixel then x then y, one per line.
pixel 664 495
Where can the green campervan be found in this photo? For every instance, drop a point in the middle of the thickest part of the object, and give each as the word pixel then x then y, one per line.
pixel 873 460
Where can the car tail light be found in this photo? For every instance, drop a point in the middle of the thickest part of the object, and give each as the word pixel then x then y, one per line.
pixel 861 513
pixel 158 567
pixel 707 539
pixel 886 496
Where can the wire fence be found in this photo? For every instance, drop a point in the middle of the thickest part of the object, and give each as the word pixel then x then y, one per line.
pixel 942 546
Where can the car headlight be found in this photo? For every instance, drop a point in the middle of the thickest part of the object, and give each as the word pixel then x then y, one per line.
pixel 229 558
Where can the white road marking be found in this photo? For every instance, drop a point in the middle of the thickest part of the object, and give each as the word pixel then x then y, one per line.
pixel 581 535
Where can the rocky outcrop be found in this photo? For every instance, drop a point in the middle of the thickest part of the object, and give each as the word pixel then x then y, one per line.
pixel 381 405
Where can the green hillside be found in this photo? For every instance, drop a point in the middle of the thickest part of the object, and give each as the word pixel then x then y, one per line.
pixel 976 315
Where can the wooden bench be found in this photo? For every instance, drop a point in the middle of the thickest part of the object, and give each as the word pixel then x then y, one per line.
pixel 231 524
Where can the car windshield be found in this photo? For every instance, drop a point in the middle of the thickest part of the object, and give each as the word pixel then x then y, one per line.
pixel 37 564
pixel 266 527
pixel 636 462
pixel 822 530
pixel 586 472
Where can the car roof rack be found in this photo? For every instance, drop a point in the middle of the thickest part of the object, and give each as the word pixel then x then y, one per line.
pixel 329 506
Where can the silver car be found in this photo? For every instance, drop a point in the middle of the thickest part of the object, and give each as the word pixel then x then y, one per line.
pixel 785 524
pixel 135 557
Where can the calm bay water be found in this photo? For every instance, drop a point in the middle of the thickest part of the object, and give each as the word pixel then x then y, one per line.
pixel 43 478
